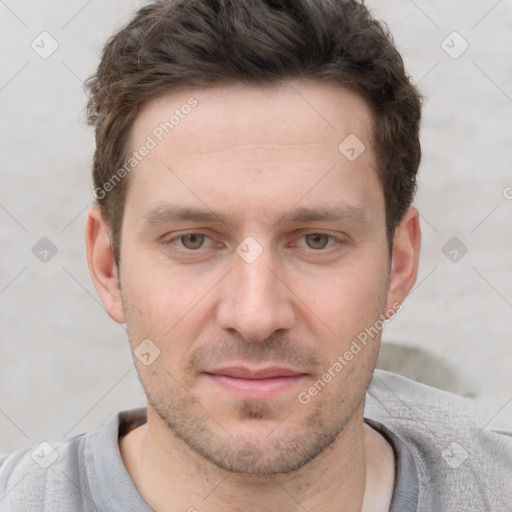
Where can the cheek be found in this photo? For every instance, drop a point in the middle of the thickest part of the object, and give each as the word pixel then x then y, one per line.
pixel 345 307
pixel 352 293
pixel 167 307
pixel 158 294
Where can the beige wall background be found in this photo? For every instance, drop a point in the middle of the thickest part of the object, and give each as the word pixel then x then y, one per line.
pixel 65 367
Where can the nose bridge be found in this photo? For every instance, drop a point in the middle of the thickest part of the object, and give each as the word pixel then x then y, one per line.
pixel 257 304
pixel 256 283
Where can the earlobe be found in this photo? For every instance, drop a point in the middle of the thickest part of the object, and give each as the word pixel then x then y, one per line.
pixel 100 258
pixel 405 258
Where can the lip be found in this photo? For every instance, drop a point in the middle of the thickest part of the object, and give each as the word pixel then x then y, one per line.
pixel 255 384
pixel 242 372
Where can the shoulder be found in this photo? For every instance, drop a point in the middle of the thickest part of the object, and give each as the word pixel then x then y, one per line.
pixel 458 461
pixel 79 474
pixel 49 469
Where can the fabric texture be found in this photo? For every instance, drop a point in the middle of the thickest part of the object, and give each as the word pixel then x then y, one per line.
pixel 444 462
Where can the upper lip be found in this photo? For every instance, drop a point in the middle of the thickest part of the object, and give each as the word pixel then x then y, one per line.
pixel 242 372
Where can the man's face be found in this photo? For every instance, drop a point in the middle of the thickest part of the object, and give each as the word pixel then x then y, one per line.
pixel 253 254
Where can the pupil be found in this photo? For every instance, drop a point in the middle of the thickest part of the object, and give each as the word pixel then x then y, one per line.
pixel 318 241
pixel 193 241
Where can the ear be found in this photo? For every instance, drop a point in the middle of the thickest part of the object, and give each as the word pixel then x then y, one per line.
pixel 100 258
pixel 405 257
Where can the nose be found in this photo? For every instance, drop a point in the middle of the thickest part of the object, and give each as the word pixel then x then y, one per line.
pixel 256 302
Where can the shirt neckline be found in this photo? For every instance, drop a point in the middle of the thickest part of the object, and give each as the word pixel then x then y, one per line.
pixel 103 458
pixel 406 490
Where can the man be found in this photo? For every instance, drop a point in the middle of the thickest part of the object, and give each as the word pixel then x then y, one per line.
pixel 254 172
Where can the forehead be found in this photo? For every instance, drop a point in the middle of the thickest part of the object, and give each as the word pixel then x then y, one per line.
pixel 266 141
pixel 297 112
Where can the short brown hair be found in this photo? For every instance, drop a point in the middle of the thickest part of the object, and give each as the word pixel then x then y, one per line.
pixel 177 44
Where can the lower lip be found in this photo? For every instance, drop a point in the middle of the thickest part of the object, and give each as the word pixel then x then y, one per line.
pixel 256 389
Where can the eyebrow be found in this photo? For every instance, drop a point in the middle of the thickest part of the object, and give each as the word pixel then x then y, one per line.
pixel 167 214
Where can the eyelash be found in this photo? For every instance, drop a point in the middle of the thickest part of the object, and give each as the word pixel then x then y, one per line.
pixel 328 249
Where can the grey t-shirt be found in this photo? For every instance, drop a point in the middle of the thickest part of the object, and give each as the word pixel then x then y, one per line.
pixel 439 466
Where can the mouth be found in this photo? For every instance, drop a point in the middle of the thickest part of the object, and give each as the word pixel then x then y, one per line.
pixel 255 383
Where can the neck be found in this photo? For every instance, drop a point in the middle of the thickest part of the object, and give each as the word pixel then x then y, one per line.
pixel 355 468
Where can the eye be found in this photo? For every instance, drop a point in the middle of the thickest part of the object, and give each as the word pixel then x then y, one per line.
pixel 317 240
pixel 191 246
pixel 320 245
pixel 192 240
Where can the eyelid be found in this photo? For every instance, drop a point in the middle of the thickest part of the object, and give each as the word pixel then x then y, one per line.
pixel 337 238
pixel 177 236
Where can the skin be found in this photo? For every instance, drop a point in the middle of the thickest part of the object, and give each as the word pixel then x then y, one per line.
pixel 253 155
